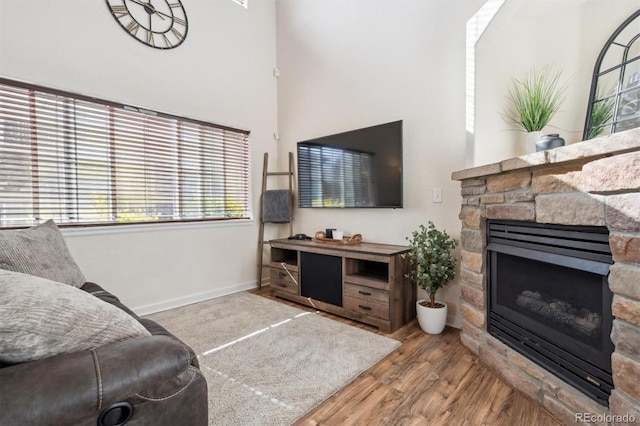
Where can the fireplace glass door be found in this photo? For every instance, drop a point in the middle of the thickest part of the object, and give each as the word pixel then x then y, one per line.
pixel 549 299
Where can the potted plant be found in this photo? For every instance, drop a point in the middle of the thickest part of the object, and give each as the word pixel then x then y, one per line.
pixel 534 100
pixel 432 267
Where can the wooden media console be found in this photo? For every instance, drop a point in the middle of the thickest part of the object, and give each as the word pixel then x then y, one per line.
pixel 364 282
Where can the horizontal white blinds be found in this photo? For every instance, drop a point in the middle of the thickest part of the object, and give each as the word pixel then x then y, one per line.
pixel 84 161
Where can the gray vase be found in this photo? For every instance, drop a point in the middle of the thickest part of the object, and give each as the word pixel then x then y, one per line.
pixel 549 141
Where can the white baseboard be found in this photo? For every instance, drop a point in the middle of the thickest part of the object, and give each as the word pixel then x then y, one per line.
pixel 192 298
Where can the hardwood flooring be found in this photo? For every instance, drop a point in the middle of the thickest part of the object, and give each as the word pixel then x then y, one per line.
pixel 428 380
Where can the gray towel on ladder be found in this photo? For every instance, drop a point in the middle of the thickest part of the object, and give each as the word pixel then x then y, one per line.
pixel 276 206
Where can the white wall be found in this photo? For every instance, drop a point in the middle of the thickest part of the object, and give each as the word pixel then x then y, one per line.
pixel 567 34
pixel 222 73
pixel 351 64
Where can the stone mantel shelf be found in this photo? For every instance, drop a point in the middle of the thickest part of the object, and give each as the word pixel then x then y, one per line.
pixel 605 146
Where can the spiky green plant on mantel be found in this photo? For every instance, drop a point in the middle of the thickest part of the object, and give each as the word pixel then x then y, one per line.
pixel 431 257
pixel 535 98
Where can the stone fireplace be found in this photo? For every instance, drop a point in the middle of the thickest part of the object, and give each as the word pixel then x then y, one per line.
pixel 592 186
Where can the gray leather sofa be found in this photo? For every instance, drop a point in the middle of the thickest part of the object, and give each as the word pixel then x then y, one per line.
pixel 72 354
pixel 148 380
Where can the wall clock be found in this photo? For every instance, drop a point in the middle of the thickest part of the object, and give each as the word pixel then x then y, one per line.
pixel 161 24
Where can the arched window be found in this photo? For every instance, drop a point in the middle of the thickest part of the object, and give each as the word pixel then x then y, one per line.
pixel 614 101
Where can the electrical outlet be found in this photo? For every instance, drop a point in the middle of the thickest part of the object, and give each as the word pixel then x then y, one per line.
pixel 437 195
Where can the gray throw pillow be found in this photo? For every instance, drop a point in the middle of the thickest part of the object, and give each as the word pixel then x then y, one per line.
pixel 40 251
pixel 40 318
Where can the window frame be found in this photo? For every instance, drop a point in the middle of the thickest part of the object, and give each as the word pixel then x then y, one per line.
pixel 218 139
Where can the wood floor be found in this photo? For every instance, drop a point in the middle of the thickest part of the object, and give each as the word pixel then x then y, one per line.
pixel 428 380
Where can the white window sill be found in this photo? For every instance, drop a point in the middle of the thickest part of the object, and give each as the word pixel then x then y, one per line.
pixel 153 227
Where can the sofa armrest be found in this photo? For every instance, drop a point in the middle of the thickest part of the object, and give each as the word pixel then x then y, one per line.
pixel 69 388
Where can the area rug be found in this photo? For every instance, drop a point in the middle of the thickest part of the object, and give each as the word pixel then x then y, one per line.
pixel 267 363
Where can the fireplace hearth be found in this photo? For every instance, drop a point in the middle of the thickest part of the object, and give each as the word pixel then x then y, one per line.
pixel 549 299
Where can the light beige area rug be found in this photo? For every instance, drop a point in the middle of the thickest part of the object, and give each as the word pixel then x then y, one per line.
pixel 267 363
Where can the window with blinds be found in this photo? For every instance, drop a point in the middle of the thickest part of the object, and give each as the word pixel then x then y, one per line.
pixel 329 176
pixel 84 161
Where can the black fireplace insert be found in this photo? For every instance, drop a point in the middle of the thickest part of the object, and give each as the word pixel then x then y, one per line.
pixel 549 299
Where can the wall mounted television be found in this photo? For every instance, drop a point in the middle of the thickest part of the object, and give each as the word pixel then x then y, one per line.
pixel 356 169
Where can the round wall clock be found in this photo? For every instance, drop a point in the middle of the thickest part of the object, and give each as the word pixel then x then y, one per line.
pixel 161 24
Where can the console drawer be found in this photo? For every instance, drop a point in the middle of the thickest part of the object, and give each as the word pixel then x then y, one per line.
pixel 366 300
pixel 366 293
pixel 284 280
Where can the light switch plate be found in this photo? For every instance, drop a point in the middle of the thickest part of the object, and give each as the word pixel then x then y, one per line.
pixel 437 195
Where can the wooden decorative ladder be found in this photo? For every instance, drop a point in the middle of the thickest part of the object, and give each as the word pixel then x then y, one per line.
pixel 265 175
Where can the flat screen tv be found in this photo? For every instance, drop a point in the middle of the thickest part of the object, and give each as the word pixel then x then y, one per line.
pixel 355 169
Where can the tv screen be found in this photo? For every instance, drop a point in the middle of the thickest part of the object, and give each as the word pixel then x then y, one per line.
pixel 355 169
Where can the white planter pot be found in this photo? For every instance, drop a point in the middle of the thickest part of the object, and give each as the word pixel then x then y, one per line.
pixel 530 141
pixel 431 320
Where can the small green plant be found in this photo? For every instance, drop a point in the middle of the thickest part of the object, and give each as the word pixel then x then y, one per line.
pixel 431 257
pixel 535 98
